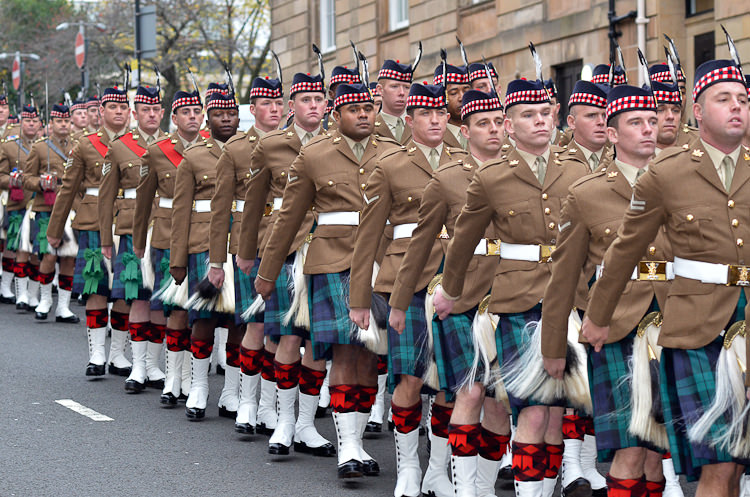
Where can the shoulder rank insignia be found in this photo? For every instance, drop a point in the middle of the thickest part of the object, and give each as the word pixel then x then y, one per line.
pixel 466 166
pixel 290 134
pixel 368 201
pixel 337 139
pixel 697 153
pixel 573 150
pixel 514 162
pixel 252 138
pixel 291 178
pixel 412 150
pixel 612 174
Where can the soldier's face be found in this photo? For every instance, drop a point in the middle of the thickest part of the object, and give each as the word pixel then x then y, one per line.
pixel 721 112
pixel 267 112
pixel 223 123
pixel 308 108
pixel 668 116
pixel 30 126
pixel 148 117
pixel 634 135
pixel 428 125
pixel 115 114
pixel 394 95
pixel 589 124
pixel 188 119
pixel 483 84
pixel 4 112
pixel 485 133
pixel 79 118
pixel 357 121
pixel 94 116
pixel 60 126
pixel 530 125
pixel 454 94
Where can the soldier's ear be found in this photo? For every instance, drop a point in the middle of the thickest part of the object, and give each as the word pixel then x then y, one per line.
pixel 571 121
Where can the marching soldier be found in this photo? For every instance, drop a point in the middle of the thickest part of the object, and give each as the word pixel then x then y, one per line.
pixel 7 126
pixel 339 74
pixel 394 81
pixel 478 78
pixel 674 98
pixel 79 119
pixel 83 172
pixel 697 192
pixel 44 171
pixel 93 110
pixel 377 97
pixel 456 84
pixel 600 75
pixel 121 174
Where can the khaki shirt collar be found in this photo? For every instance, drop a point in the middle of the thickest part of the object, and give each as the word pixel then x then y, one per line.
pixel 392 121
pixel 258 131
pixel 455 131
pixel 587 153
pixel 351 142
pixel 426 150
pixel 146 136
pixel 185 143
pixel 301 132
pixel 530 159
pixel 630 172
pixel 221 144
pixel 114 135
pixel 717 155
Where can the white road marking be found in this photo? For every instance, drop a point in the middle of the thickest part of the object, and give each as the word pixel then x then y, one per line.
pixel 83 410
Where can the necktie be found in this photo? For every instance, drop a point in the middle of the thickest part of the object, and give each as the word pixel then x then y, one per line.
pixel 728 167
pixel 398 132
pixel 434 159
pixel 149 140
pixel 359 151
pixel 541 169
pixel 593 162
pixel 308 136
pixel 640 173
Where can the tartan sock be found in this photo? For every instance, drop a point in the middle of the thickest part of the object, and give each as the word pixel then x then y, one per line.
pixel 529 461
pixel 464 440
pixel 382 365
pixel 572 427
pixel 287 375
pixel 343 398
pixel 33 272
pixel 667 455
pixel 201 349
pixel 588 425
pixel 65 282
pixel 617 487
pixel 45 278
pixel 267 371
pixel 173 340
pixel 185 338
pixel 555 454
pixel 118 320
pixel 96 318
pixel 492 445
pixel 406 419
pixel 250 361
pixel 655 488
pixel 310 380
pixel 366 398
pixel 139 331
pixel 21 269
pixel 8 264
pixel 233 355
pixel 440 419
pixel 158 332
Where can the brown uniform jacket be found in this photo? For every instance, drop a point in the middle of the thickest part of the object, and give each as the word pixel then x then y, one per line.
pixel 232 175
pixel 443 199
pixel 451 140
pixel 196 180
pixel 686 134
pixel 327 176
pixel 682 191
pixel 7 130
pixel 121 171
pixel 590 218
pixel 269 168
pixel 14 156
pixel 382 129
pixel 393 193
pixel 36 165
pixel 506 193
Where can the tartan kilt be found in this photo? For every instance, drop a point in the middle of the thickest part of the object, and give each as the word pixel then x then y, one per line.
pixel 89 240
pixel 38 232
pixel 278 304
pixel 454 348
pixel 118 286
pixel 407 352
pixel 244 293
pixel 329 321
pixel 12 226
pixel 197 270
pixel 159 261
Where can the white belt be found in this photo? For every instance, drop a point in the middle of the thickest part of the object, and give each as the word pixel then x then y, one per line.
pixel 707 272
pixel 277 203
pixel 238 206
pixel 128 193
pixel 93 191
pixel 202 205
pixel 347 218
pixel 404 230
pixel 165 202
pixel 647 271
pixel 531 253
pixel 487 246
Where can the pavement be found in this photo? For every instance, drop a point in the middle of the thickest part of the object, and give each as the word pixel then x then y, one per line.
pixel 128 445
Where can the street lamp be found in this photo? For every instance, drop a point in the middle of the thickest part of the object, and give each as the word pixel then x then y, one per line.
pixel 82 30
pixel 20 56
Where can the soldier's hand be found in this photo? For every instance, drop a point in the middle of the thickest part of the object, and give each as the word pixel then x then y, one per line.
pixel 216 276
pixel 178 273
pixel 263 287
pixel 54 242
pixel 397 320
pixel 443 306
pixel 554 367
pixel 139 252
pixel 594 334
pixel 107 251
pixel 360 316
pixel 245 265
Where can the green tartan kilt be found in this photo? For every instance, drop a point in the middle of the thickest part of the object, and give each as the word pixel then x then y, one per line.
pixel 407 351
pixel 89 240
pixel 329 306
pixel 454 348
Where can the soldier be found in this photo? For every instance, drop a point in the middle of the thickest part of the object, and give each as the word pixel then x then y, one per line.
pixel 521 195
pixel 13 154
pixel 476 449
pixel 155 192
pixel 339 74
pixel 7 126
pixel 79 118
pixel 393 193
pixel 188 250
pixel 269 170
pixel 83 172
pixel 394 81
pixel 227 207
pixel 377 97
pixel 121 174
pixel 45 166
pixel 557 131
pixel 478 77
pixel 94 113
pixel 600 75
pixel 746 141
pixel 328 174
pixel 697 192
pixel 457 83
pixel 683 133
pixel 669 110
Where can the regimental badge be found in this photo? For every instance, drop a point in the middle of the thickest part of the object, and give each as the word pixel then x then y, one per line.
pixel 747 157
pixel 443 235
pixel 573 150
pixel 290 134
pixel 337 139
pixel 106 168
pixel 514 162
pixel 612 174
pixel 697 153
pixel 252 138
pixel 412 150
pixel 144 170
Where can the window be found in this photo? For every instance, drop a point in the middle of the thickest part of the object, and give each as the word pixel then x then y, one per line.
pixel 705 48
pixel 566 76
pixel 327 25
pixel 398 14
pixel 695 7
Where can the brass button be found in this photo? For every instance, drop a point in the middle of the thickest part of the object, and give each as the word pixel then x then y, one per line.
pixel 97 164
pixel 408 199
pixel 361 170
pixel 551 226
pixel 330 183
pixel 547 210
pixel 283 173
pixel 130 164
pixel 205 177
pixel 545 196
pixel 689 217
pixel 247 175
pixel 511 212
pixel 740 242
pixel 607 231
pixel 166 175
pixel 652 250
pixel 363 185
pixel 730 204
pixel 735 223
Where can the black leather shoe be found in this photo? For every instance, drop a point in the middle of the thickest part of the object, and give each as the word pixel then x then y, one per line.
pixel 321 412
pixel 41 316
pixel 80 300
pixel 70 319
pixel 599 492
pixel 278 449
pixel 132 386
pixel 350 469
pixel 168 400
pixel 244 428
pixel 370 467
pixel 195 414
pixel 155 383
pixel 505 478
pixel 262 429
pixel 7 300
pixel 182 398
pixel 373 427
pixel 325 450
pixel 95 369
pixel 22 306
pixel 580 487
pixel 226 413
pixel 119 371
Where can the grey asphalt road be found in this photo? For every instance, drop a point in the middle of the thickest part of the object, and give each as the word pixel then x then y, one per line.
pixel 145 450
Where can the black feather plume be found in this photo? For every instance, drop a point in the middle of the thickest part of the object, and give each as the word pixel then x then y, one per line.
pixel 192 79
pixel 321 67
pixel 278 67
pixel 463 52
pixel 158 79
pixel 733 52
pixel 417 59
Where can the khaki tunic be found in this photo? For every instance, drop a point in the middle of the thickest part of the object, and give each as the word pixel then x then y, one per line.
pixel 13 156
pixel 36 165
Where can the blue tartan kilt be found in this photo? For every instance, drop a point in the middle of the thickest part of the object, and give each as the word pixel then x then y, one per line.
pixel 278 304
pixel 407 352
pixel 329 321
pixel 244 294
pixel 12 226
pixel 118 286
pixel 197 270
pixel 454 348
pixel 38 232
pixel 159 260
pixel 89 240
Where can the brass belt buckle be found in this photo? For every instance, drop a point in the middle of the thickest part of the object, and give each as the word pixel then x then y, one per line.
pixel 652 271
pixel 234 206
pixel 493 246
pixel 738 275
pixel 268 210
pixel 545 253
pixel 120 193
